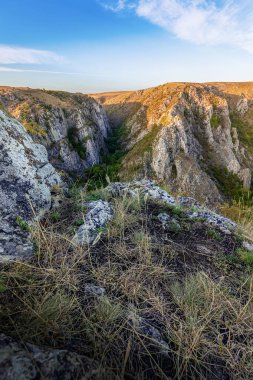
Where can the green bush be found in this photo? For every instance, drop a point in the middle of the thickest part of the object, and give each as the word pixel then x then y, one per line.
pixel 98 175
pixel 229 183
pixel 215 121
pixel 78 146
pixel 244 129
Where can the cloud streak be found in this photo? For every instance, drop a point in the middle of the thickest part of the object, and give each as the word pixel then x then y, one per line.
pixel 21 55
pixel 207 22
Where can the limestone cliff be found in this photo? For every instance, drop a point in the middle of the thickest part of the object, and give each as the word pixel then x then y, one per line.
pixel 186 135
pixel 73 127
pixel 26 181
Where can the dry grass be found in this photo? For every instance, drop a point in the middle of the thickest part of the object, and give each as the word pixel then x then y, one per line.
pixel 169 311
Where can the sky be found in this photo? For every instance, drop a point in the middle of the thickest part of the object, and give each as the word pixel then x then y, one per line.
pixel 112 45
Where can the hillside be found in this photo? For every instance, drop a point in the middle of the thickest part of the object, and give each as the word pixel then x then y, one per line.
pixel 187 136
pixel 73 127
pixel 102 278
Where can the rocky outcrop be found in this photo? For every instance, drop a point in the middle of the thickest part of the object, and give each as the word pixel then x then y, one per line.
pixel 143 188
pixel 100 213
pixel 29 362
pixel 26 180
pixel 73 127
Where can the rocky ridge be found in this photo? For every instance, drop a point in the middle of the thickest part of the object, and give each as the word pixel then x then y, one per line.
pixel 184 134
pixel 72 127
pixel 100 213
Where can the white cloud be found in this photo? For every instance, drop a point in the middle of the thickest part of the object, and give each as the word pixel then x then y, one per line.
pixel 119 5
pixel 199 21
pixel 6 69
pixel 12 55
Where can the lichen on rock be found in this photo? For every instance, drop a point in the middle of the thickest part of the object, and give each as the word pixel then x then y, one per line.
pixel 26 179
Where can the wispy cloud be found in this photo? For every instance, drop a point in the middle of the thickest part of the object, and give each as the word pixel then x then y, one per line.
pixel 119 5
pixel 198 21
pixel 21 55
pixel 7 69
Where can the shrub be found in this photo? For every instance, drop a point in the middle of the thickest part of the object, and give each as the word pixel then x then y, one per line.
pixel 244 129
pixel 77 144
pixel 215 121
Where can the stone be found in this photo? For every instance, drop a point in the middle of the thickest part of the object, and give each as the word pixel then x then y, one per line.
pixel 148 329
pixel 29 362
pixel 26 180
pixel 99 213
pixel 215 220
pixel 146 188
pixel 188 202
pixel 168 222
pixel 95 291
pixel 248 246
pixel 242 105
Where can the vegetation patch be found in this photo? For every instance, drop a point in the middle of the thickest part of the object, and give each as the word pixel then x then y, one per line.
pixel 99 175
pixel 229 183
pixel 244 129
pixel 215 121
pixel 34 129
pixel 4 110
pixel 77 144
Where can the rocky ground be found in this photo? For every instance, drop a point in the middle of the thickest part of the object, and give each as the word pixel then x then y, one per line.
pixel 129 282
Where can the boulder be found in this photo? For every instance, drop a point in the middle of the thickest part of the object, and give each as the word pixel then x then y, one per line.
pixel 30 362
pixel 99 213
pixel 144 187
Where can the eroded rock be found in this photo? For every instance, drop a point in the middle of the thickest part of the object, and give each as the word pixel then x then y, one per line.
pixel 30 362
pixel 143 187
pixel 224 224
pixel 26 179
pixel 99 213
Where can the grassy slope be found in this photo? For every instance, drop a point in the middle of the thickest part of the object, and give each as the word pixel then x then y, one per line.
pixel 191 283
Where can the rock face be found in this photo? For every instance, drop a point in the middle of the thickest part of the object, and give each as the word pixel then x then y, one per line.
pixel 26 180
pixel 29 362
pixel 182 134
pixel 73 127
pixel 98 215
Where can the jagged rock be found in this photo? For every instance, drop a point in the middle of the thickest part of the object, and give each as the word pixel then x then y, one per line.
pixel 164 218
pixel 73 127
pixel 147 329
pixel 99 213
pixel 247 246
pixel 224 224
pixel 188 202
pixel 143 187
pixel 242 105
pixel 168 222
pixel 29 362
pixel 26 179
pixel 95 291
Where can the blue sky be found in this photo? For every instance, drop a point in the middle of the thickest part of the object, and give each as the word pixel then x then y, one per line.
pixel 108 45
